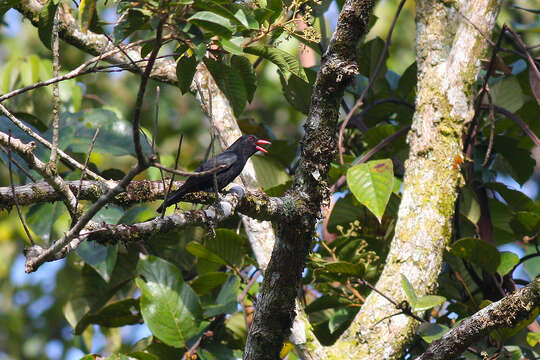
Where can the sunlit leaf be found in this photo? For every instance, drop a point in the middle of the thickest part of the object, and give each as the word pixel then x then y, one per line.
pixel 284 61
pixel 372 183
pixel 431 332
pixel 409 291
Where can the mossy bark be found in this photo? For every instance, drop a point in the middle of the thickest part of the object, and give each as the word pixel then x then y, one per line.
pixel 449 50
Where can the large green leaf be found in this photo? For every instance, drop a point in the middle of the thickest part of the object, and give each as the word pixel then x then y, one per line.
pixel 228 245
pixel 185 69
pixel 409 291
pixel 269 173
pixel 507 93
pixel 207 282
pixel 87 10
pixel 115 136
pixel 284 61
pixel 296 91
pixel 243 67
pixel 129 22
pixel 469 206
pixel 478 252
pixel 101 258
pixel 215 23
pixel 116 314
pixel 226 302
pixel 372 183
pixel 169 307
pixel 431 332
pixel 46 19
pixel 346 210
pixel 508 261
pixel 428 301
pixel 202 252
pixel 41 218
pixel 229 80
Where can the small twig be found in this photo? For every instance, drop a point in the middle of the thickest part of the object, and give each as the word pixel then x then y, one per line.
pixel 13 192
pixel 123 52
pixel 372 79
pixel 492 127
pixel 156 115
pixel 172 177
pixel 405 309
pixel 56 94
pixel 244 293
pixel 522 124
pixel 83 173
pixel 187 173
pixel 140 95
pixel 213 133
pixel 531 61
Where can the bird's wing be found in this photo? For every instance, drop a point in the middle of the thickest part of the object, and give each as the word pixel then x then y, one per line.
pixel 226 158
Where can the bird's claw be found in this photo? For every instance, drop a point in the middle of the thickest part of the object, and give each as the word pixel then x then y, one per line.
pixel 236 190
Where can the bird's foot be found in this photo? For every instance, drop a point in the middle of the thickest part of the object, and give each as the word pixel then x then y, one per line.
pixel 236 190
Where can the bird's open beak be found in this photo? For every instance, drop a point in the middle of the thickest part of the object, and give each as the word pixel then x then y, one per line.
pixel 262 142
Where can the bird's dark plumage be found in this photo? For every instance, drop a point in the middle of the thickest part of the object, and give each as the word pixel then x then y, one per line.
pixel 233 158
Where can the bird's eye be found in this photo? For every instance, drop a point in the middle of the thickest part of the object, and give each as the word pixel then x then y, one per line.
pixel 252 138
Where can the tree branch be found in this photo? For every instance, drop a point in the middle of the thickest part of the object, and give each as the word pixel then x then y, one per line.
pixel 275 309
pixel 505 313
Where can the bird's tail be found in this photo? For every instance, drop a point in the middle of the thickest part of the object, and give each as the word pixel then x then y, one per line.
pixel 171 199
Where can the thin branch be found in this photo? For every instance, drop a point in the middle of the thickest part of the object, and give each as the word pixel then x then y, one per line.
pixel 372 79
pixel 83 173
pixel 56 94
pixel 140 95
pixel 21 217
pixel 505 313
pixel 522 124
pixel 172 177
pixel 187 173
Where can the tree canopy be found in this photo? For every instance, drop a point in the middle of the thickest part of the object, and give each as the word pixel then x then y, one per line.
pixel 396 214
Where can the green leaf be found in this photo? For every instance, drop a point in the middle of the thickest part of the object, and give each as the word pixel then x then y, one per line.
pixel 115 136
pixel 129 22
pixel 520 163
pixel 407 81
pixel 533 338
pixel 247 74
pixel 205 283
pixel 101 258
pixel 41 218
pixel 346 210
pixel 228 245
pixel 185 70
pixel 169 306
pixel 296 91
pixel 469 206
pixel 526 223
pixel 230 82
pixel 87 10
pixel 507 93
pixel 508 261
pixel 501 334
pixel 213 22
pixel 234 45
pixel 341 316
pixel 478 252
pixel 226 302
pixel 116 314
pixel 516 199
pixel 199 250
pixel 428 301
pixel 367 63
pixel 46 19
pixel 372 183
pixel 344 267
pixel 431 332
pixel 269 173
pixel 409 291
pixel 284 61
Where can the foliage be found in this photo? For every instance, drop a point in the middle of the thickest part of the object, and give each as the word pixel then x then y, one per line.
pixel 194 289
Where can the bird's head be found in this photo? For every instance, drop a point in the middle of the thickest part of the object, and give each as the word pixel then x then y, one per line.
pixel 249 145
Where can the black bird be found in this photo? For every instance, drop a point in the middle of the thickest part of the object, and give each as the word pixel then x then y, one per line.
pixel 234 158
